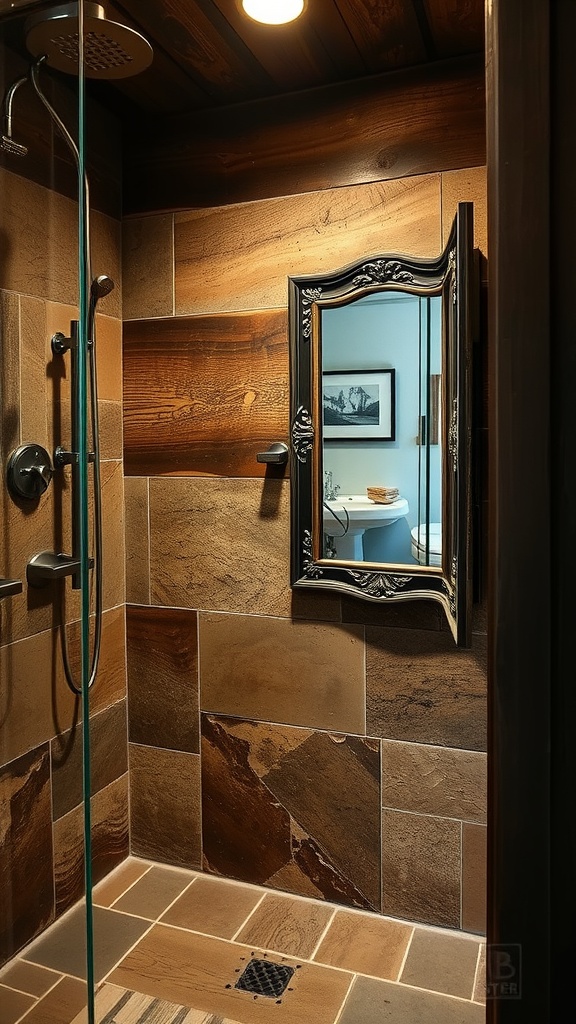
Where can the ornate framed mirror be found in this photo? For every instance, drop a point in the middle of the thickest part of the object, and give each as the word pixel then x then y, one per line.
pixel 381 427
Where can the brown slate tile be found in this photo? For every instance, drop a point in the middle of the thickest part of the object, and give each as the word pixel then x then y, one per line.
pixel 26 881
pixel 137 540
pixel 421 868
pixel 365 944
pixel 63 948
pixel 109 842
pixel 163 677
pixel 195 526
pixel 13 1005
pixel 421 688
pixel 119 880
pixel 274 669
pixel 29 978
pixel 108 754
pixel 268 807
pixel 61 1004
pixel 442 781
pixel 167 830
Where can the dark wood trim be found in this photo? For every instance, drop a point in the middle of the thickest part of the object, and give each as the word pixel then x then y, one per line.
pixel 425 119
pixel 563 353
pixel 519 528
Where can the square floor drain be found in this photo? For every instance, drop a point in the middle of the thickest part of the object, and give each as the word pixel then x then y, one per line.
pixel 264 978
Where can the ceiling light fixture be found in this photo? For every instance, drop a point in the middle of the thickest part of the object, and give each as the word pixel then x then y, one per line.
pixel 273 12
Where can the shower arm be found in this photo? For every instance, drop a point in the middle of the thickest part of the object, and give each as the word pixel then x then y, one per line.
pixel 57 120
pixel 8 103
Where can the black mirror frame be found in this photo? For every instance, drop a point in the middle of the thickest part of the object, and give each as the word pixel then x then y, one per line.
pixel 453 274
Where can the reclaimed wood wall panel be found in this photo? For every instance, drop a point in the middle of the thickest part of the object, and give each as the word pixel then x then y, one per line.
pixel 389 126
pixel 239 257
pixel 202 395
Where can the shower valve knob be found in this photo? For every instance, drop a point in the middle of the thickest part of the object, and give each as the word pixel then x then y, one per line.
pixel 29 472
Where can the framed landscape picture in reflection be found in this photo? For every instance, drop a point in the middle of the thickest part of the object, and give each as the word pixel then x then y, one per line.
pixel 359 405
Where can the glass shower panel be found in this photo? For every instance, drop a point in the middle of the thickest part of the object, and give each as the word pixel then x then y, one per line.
pixel 44 292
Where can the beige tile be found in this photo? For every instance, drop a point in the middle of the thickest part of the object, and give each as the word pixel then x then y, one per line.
pixel 474 878
pixel 365 944
pixel 137 540
pixel 29 978
pixel 421 868
pixel 119 881
pixel 286 926
pixel 61 1004
pixel 40 229
pixel 13 1005
pixel 221 545
pixel 35 392
pixel 113 534
pixel 381 1002
pixel 63 947
pixel 109 358
pixel 480 985
pixel 9 375
pixel 195 970
pixel 148 267
pixel 153 893
pixel 466 185
pixel 275 669
pixel 434 780
pixel 169 829
pixel 110 419
pixel 421 688
pixel 106 259
pixel 441 963
pixel 238 257
pixel 214 906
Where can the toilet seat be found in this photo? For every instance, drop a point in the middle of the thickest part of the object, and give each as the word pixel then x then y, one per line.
pixel 433 535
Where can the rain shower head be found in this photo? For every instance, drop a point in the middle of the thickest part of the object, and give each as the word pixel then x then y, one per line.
pixel 111 50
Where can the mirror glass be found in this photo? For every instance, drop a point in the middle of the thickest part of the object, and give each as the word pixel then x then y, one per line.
pixel 381 429
pixel 381 483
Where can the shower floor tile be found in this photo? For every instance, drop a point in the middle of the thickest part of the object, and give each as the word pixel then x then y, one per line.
pixel 62 947
pixel 355 967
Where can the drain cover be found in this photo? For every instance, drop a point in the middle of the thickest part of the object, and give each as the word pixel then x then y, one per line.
pixel 265 978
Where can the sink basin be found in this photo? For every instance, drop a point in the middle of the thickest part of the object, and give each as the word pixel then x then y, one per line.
pixel 363 514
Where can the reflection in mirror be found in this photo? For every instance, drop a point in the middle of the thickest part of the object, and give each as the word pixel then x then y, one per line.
pixel 381 430
pixel 381 355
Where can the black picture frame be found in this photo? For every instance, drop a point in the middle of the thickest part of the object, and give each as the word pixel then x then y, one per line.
pixel 359 405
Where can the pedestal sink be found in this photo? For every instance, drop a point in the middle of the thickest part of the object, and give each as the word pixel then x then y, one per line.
pixel 363 514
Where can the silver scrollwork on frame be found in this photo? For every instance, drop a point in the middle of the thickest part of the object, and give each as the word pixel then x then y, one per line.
pixel 382 272
pixel 302 434
pixel 453 435
pixel 309 297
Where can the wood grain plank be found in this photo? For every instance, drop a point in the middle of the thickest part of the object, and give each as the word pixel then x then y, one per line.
pixel 239 257
pixel 373 129
pixel 457 26
pixel 387 34
pixel 203 394
pixel 201 42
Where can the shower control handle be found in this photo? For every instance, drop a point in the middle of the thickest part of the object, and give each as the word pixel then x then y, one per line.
pixel 10 587
pixel 49 566
pixel 29 472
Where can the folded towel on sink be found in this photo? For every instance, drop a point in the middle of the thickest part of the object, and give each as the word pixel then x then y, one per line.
pixel 383 495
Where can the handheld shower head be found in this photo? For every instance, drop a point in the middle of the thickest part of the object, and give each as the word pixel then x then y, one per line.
pixel 101 286
pixel 9 145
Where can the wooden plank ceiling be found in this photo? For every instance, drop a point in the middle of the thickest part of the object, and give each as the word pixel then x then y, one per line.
pixel 207 53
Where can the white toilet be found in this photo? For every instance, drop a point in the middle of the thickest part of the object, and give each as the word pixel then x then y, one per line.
pixel 427 543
